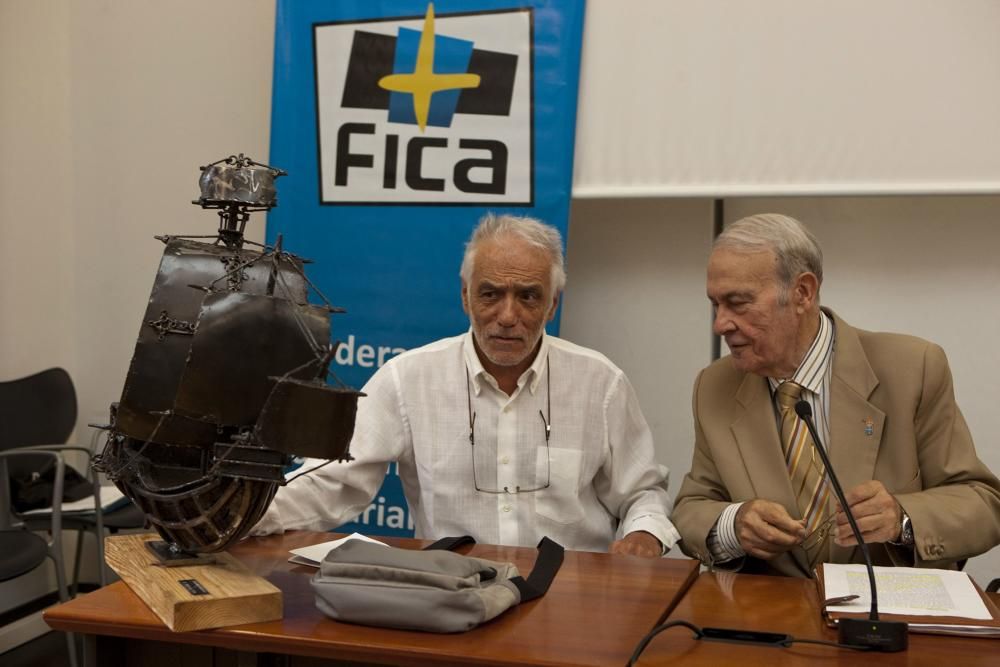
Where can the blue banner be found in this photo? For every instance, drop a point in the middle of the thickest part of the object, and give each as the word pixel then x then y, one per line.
pixel 400 124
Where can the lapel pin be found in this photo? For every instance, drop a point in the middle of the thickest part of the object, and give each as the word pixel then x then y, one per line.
pixel 869 426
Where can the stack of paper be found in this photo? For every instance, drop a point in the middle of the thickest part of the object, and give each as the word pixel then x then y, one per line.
pixel 313 555
pixel 933 601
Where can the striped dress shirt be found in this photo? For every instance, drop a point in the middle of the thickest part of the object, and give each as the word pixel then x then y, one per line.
pixel 813 374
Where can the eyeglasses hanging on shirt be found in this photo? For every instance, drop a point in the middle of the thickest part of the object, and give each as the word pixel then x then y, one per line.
pixel 546 425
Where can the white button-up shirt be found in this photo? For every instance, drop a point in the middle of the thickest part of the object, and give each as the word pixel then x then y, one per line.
pixel 603 481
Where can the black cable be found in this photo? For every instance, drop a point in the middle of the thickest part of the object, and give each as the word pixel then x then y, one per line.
pixel 306 472
pixel 700 634
pixel 823 642
pixel 657 630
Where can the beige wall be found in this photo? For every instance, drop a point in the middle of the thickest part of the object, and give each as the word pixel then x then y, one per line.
pixel 108 107
pixel 37 234
pixel 37 295
pixel 635 292
pixel 158 89
pixel 927 266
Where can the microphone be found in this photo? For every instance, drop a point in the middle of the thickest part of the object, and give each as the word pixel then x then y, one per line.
pixel 888 636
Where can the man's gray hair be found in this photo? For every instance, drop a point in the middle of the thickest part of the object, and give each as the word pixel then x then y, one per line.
pixel 535 232
pixel 794 246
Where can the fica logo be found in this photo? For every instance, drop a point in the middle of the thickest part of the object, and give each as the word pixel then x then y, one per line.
pixel 426 109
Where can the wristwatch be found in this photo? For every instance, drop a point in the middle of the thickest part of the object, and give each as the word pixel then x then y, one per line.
pixel 905 538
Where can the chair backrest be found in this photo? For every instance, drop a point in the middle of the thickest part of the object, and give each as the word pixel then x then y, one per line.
pixel 39 409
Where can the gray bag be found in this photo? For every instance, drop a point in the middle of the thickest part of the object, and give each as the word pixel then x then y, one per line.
pixel 434 590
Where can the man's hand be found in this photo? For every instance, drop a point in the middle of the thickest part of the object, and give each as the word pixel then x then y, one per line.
pixel 766 530
pixel 878 514
pixel 639 543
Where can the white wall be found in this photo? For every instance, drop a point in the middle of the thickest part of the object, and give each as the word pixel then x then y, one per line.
pixel 107 110
pixel 37 295
pixel 728 98
pixel 158 89
pixel 927 266
pixel 635 292
pixel 108 107
pixel 37 235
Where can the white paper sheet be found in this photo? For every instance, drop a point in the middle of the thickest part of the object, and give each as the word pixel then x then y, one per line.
pixel 905 590
pixel 313 555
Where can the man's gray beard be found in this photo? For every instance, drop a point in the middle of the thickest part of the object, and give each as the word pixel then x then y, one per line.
pixel 482 348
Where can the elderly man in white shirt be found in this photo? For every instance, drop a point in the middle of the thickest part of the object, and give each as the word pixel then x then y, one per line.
pixel 503 433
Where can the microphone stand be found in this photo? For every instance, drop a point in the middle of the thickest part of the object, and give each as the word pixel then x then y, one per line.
pixel 888 636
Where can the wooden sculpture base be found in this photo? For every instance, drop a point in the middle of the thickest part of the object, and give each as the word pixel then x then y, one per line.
pixel 193 597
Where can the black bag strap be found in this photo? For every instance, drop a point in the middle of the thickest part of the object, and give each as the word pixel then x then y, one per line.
pixel 550 559
pixel 451 543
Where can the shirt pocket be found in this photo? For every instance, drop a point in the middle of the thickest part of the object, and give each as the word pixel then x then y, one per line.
pixel 560 502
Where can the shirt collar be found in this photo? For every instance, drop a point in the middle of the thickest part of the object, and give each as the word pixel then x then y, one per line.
pixel 810 373
pixel 533 375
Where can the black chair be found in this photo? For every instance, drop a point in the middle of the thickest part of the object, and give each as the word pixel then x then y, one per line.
pixel 21 549
pixel 993 586
pixel 121 516
pixel 39 412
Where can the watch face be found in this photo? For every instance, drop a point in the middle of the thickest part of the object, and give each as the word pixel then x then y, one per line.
pixel 906 533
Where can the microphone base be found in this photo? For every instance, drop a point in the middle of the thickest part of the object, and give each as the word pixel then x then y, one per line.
pixel 886 636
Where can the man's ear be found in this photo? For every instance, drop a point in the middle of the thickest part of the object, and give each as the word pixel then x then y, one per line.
pixel 555 305
pixel 465 297
pixel 806 291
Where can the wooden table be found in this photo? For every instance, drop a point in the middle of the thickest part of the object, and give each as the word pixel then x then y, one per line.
pixel 596 611
pixel 789 606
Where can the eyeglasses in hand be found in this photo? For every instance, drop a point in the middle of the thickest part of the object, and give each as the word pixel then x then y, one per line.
pixel 826 527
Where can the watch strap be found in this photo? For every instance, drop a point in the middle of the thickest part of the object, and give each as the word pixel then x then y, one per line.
pixel 905 538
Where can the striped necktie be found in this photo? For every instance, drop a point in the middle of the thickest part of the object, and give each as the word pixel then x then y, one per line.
pixel 805 468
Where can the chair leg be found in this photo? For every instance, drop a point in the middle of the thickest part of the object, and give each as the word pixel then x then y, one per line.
pixel 61 577
pixel 102 567
pixel 71 645
pixel 76 564
pixel 55 551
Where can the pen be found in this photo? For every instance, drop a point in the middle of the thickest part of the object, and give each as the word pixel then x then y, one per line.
pixel 830 602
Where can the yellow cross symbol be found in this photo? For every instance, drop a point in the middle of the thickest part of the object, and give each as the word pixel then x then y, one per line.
pixel 423 82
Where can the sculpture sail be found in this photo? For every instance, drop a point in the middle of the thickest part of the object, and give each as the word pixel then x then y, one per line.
pixel 228 378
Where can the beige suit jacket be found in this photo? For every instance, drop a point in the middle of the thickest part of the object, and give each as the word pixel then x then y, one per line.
pixel 893 418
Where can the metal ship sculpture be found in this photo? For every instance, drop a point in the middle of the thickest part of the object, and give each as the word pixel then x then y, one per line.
pixel 228 379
